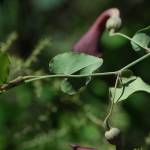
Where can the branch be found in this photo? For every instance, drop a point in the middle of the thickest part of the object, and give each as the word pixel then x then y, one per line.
pixel 34 78
pixel 25 79
pixel 13 83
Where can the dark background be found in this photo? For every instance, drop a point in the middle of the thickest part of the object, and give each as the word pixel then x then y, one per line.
pixel 39 116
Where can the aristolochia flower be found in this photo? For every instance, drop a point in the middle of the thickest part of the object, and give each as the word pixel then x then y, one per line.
pixel 89 42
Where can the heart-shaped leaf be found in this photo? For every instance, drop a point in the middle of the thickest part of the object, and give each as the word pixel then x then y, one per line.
pixel 70 63
pixel 74 63
pixel 130 86
pixel 143 37
pixel 4 67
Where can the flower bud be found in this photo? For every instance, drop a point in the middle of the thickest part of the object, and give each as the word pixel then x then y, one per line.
pixel 113 136
pixel 113 23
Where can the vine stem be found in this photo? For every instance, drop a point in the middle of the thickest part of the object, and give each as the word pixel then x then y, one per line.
pixel 33 78
pixel 106 124
pixel 130 39
pixel 135 62
pixel 26 79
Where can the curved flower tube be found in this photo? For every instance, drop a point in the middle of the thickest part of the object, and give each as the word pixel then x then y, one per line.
pixel 89 42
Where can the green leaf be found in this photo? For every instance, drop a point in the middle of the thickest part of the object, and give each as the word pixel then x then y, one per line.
pixel 4 67
pixel 143 37
pixel 130 86
pixel 74 63
pixel 70 63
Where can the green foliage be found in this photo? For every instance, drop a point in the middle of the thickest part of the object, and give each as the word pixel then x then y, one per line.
pixel 4 67
pixel 70 63
pixel 143 37
pixel 129 87
pixel 37 115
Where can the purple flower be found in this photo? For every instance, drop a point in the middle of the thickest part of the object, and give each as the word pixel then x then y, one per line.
pixel 89 42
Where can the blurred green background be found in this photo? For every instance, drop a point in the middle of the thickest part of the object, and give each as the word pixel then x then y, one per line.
pixel 38 116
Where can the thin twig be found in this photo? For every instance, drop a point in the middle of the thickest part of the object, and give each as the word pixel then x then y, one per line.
pixel 70 76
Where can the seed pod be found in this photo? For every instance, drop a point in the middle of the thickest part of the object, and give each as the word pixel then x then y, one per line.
pixel 113 136
pixel 113 23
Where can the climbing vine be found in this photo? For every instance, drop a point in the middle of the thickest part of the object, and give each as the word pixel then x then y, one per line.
pixel 81 68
